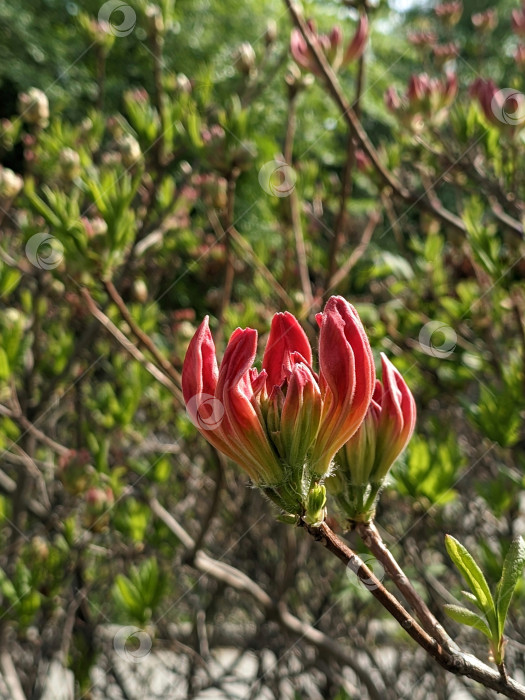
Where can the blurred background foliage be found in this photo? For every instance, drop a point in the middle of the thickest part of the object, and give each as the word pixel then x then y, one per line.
pixel 151 152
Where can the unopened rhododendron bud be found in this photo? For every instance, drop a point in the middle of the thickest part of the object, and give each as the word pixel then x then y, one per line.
pixel 332 46
pixel 518 21
pixel 449 12
pixel 485 21
pixel 426 99
pixel 283 425
pixel 366 458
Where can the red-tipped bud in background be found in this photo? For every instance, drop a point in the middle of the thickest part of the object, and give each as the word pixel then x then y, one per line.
pixel 485 21
pixel 505 108
pixel 422 39
pixel 392 100
pixel 283 425
pixel 365 460
pixel 517 21
pixel 356 47
pixel 445 52
pixel 98 504
pixel 449 12
pixel 519 55
pixel 425 99
pixel 332 46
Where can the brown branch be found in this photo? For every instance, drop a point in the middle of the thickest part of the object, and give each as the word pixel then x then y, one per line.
pixel 30 428
pixel 239 581
pixel 295 210
pixel 336 92
pixel 347 181
pixel 229 273
pixel 10 675
pixel 302 261
pixel 357 253
pixel 248 250
pixel 373 540
pixel 458 663
pixel 164 364
pixel 129 347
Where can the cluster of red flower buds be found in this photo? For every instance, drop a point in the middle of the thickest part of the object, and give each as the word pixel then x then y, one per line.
pixel 331 45
pixel 285 424
pixel 426 99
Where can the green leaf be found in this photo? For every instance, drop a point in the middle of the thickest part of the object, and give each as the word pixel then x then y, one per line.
pixel 470 596
pixel 474 577
pixel 127 594
pixel 4 365
pixel 511 574
pixel 467 617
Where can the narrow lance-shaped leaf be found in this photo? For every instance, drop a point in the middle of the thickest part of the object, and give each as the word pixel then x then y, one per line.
pixel 474 577
pixel 470 596
pixel 467 617
pixel 511 574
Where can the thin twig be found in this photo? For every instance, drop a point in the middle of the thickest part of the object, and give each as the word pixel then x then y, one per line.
pixel 239 581
pixel 458 663
pixel 247 249
pixel 373 540
pixel 356 254
pixel 349 114
pixel 129 347
pixel 165 365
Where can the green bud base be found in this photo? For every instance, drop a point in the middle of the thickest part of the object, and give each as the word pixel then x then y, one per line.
pixel 358 502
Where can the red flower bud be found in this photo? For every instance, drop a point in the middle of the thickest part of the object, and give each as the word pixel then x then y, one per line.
pixel 517 21
pixel 366 458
